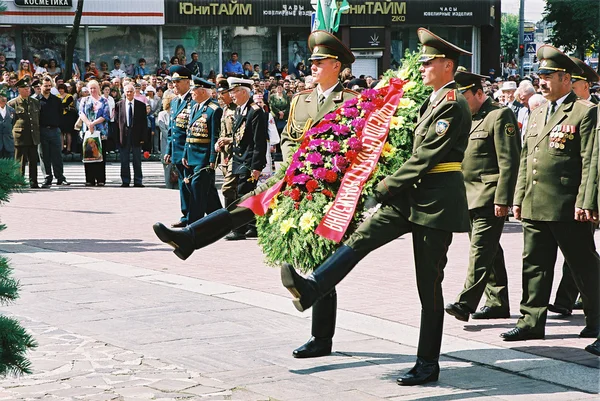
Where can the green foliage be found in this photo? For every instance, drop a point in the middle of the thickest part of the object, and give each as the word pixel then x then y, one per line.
pixel 11 179
pixel 14 344
pixel 9 287
pixel 286 232
pixel 576 25
pixel 509 34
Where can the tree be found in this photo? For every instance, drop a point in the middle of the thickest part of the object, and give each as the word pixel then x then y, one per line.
pixel 14 339
pixel 509 34
pixel 576 25
pixel 72 40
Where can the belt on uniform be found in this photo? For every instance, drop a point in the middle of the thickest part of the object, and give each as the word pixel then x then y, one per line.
pixel 199 140
pixel 445 167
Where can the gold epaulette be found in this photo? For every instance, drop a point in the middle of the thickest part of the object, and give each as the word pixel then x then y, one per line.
pixel 213 105
pixel 255 106
pixel 586 103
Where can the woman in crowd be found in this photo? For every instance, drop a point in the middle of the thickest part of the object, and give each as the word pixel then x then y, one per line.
pixel 95 114
pixel 154 105
pixel 280 106
pixel 273 138
pixel 53 68
pixel 67 118
pixel 25 69
pixel 163 121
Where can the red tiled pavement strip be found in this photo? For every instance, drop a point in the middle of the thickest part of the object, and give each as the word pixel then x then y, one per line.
pixel 114 224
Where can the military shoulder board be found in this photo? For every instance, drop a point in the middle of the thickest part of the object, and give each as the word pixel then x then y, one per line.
pixel 451 95
pixel 586 103
pixel 255 106
pixel 213 106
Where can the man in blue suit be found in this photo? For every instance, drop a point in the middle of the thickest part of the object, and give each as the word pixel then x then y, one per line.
pixel 180 113
pixel 7 120
pixel 199 154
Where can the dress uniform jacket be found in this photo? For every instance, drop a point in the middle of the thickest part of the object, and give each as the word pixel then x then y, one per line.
pixel 305 113
pixel 26 130
pixel 441 134
pixel 180 113
pixel 555 161
pixel 7 141
pixel 250 140
pixel 202 133
pixel 491 162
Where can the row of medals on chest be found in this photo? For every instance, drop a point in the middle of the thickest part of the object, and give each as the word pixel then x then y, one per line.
pixel 560 134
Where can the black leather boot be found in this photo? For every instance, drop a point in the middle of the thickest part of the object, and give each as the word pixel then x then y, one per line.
pixel 323 328
pixel 202 232
pixel 309 290
pixel 427 368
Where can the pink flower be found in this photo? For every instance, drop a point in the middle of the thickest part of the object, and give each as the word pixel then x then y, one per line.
pixel 369 94
pixel 358 123
pixel 320 173
pixel 332 146
pixel 368 106
pixel 330 116
pixel 301 178
pixel 295 164
pixel 350 102
pixel 315 158
pixel 350 112
pixel 354 143
pixel 314 144
pixel 339 163
pixel 341 129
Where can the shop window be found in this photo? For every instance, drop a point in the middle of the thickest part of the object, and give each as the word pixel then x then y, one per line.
pixel 49 42
pixel 127 43
pixel 182 41
pixel 294 49
pixel 257 45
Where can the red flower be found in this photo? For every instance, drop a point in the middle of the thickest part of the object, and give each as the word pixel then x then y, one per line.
pixel 146 155
pixel 289 179
pixel 327 193
pixel 295 194
pixel 312 185
pixel 309 197
pixel 331 176
pixel 351 155
pixel 296 205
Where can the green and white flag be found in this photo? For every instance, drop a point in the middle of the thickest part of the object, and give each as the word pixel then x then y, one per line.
pixel 336 14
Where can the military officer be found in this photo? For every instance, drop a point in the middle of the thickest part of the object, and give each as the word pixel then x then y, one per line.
pixel 425 196
pixel 180 115
pixel 223 145
pixel 328 56
pixel 566 294
pixel 26 129
pixel 490 169
pixel 199 154
pixel 551 198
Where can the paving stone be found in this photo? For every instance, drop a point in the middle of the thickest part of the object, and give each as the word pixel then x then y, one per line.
pixel 172 385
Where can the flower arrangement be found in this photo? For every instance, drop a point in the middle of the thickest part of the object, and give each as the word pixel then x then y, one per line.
pixel 317 169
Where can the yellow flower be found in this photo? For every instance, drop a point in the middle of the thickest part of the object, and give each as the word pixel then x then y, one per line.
pixel 409 85
pixel 287 225
pixel 397 122
pixel 307 221
pixel 403 73
pixel 273 204
pixel 406 103
pixel 275 215
pixel 388 150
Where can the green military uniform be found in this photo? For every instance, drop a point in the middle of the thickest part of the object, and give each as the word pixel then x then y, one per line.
pixel 552 182
pixel 224 159
pixel 490 169
pixel 26 131
pixel 567 292
pixel 426 197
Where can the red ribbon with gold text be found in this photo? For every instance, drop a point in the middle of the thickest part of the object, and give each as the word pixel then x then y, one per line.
pixel 335 222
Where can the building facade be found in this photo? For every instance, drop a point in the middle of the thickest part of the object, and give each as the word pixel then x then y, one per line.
pixel 263 32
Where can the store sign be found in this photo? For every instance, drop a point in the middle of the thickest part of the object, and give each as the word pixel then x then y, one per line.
pixel 370 38
pixel 44 3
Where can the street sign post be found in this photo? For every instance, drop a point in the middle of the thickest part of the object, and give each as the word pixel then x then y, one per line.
pixel 528 37
pixel 530 48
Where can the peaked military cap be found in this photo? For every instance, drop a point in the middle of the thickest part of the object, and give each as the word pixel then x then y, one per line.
pixel 35 83
pixel 436 47
pixel 202 83
pixel 179 72
pixel 588 72
pixel 3 91
pixel 23 82
pixel 235 81
pixel 323 44
pixel 553 60
pixel 467 80
pixel 223 86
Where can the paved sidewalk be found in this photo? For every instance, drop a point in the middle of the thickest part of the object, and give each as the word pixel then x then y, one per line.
pixel 118 316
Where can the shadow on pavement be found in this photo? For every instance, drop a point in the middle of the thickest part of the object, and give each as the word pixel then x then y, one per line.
pixel 88 245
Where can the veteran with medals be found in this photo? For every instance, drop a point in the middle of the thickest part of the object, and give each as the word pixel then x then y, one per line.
pixel 490 168
pixel 551 201
pixel 223 145
pixel 199 154
pixel 180 114
pixel 308 108
pixel 425 196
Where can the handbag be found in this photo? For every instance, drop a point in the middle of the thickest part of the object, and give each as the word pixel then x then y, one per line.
pixel 92 147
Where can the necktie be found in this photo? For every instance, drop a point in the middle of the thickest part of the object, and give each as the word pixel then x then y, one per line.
pixel 552 110
pixel 321 101
pixel 130 116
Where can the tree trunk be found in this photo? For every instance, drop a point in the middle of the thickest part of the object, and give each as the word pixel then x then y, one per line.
pixel 71 41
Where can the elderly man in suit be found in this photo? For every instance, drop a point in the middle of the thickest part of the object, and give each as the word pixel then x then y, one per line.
pixel 131 117
pixel 7 120
pixel 26 130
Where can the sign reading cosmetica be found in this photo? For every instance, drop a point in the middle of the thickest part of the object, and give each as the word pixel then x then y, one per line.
pixel 297 12
pixel 44 3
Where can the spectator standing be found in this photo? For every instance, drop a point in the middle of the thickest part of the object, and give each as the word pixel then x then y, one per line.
pixel 233 67
pixel 68 117
pixel 280 107
pixel 7 120
pixel 110 141
pixel 174 61
pixel 248 71
pixel 117 72
pixel 139 95
pixel 24 69
pixel 26 130
pixel 95 115
pixel 163 123
pixel 154 106
pixel 133 126
pixel 103 73
pixel 195 66
pixel 37 67
pixel 162 71
pixel 50 146
pixel 6 65
pixel 53 68
pixel 13 91
pixel 272 137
